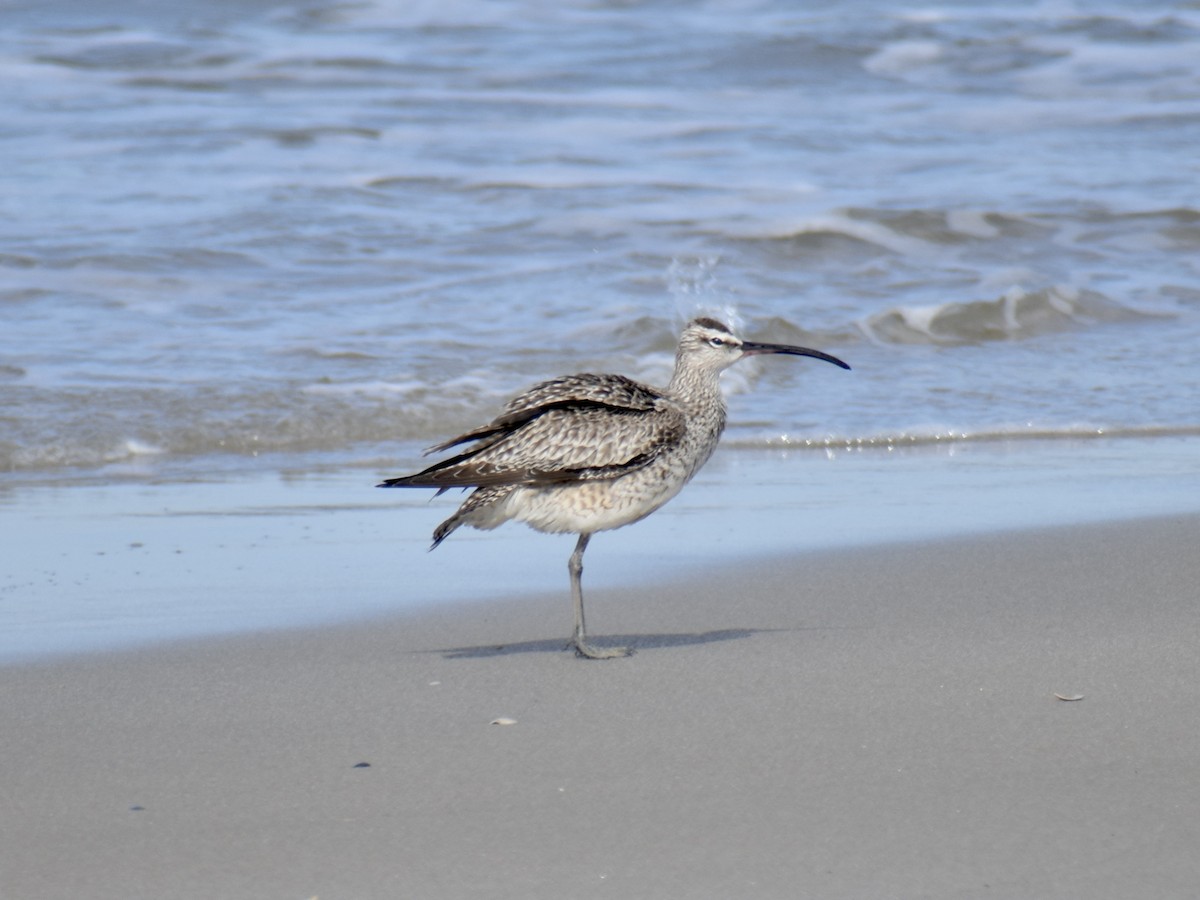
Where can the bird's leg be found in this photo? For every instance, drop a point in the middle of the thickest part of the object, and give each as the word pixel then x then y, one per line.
pixel 582 647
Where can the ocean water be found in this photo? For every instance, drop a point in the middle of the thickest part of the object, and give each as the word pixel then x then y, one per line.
pixel 257 240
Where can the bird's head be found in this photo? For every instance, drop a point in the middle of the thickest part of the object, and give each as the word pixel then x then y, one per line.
pixel 709 345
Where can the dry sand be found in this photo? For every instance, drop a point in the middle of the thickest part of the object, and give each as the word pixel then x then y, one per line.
pixel 875 723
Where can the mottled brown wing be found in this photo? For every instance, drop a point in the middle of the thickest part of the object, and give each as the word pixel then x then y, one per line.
pixel 615 391
pixel 577 428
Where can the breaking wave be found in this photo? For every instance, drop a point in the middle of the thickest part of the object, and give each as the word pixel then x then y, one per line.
pixel 1015 315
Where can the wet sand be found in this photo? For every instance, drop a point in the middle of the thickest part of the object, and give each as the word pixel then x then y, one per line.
pixel 875 722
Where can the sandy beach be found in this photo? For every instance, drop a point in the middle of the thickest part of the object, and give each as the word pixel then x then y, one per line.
pixel 867 723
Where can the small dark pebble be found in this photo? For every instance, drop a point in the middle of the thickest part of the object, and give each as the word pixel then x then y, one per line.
pixel 362 765
pixel 137 809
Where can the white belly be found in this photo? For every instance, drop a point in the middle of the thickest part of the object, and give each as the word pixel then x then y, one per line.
pixel 590 506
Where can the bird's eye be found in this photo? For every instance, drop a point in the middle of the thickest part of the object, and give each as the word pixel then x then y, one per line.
pixel 716 342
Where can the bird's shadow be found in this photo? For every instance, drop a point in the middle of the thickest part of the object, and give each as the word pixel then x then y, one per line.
pixel 634 642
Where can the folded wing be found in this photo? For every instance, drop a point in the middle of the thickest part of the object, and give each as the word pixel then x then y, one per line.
pixel 576 428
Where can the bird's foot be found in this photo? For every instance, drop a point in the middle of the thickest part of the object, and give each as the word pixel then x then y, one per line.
pixel 587 651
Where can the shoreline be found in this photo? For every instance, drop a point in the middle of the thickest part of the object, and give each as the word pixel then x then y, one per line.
pixel 98 568
pixel 856 722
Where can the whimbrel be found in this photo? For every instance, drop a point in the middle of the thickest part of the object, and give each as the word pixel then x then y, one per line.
pixel 587 453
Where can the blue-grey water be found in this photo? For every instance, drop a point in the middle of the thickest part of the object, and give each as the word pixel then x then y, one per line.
pixel 245 239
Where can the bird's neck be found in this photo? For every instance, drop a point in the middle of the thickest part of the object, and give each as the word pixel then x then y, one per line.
pixel 698 394
pixel 697 389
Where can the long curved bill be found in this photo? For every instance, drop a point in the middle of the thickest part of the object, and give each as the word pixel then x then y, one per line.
pixel 751 348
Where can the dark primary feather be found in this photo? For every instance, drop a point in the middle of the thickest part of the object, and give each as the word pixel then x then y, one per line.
pixel 580 427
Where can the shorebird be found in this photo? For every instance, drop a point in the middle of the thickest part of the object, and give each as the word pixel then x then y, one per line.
pixel 587 453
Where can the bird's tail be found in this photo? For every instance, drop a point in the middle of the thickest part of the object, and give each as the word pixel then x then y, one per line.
pixel 482 509
pixel 444 530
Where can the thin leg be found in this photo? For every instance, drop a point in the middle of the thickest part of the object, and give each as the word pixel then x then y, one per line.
pixel 582 647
